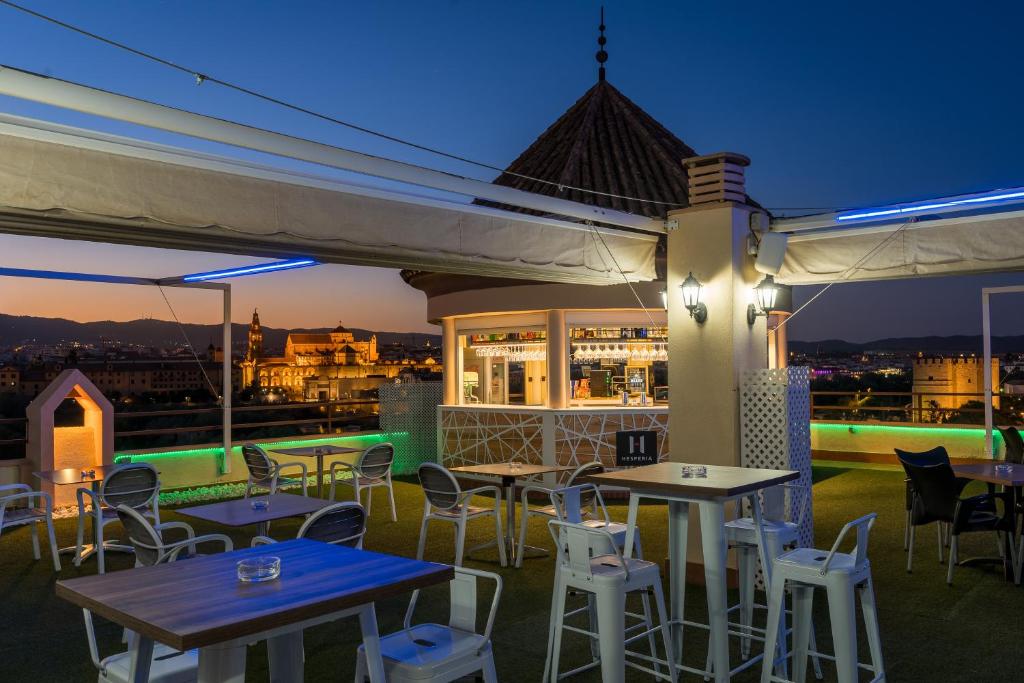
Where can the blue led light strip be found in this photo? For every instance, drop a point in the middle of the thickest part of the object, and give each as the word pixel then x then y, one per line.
pixel 966 201
pixel 250 270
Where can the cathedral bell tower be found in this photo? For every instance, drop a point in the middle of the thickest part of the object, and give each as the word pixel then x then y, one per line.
pixel 255 350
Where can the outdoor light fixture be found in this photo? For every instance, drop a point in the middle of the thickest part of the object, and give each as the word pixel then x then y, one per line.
pixel 691 298
pixel 765 293
pixel 250 270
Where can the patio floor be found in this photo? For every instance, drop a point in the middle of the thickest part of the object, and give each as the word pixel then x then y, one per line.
pixel 930 631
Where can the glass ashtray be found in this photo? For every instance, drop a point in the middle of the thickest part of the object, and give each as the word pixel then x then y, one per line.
pixel 1004 468
pixel 694 471
pixel 260 504
pixel 259 569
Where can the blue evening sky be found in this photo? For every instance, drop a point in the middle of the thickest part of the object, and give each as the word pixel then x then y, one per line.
pixel 837 104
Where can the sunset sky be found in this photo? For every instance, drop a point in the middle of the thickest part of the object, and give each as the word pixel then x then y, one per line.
pixel 838 106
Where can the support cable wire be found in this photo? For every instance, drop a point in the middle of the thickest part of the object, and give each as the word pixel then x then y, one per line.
pixel 615 261
pixel 188 343
pixel 846 273
pixel 201 77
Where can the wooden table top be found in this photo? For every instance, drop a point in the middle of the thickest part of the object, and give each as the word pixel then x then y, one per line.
pixel 239 512
pixel 200 601
pixel 505 470
pixel 986 472
pixel 313 451
pixel 667 477
pixel 73 475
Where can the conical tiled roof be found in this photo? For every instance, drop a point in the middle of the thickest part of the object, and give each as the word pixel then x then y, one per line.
pixel 607 144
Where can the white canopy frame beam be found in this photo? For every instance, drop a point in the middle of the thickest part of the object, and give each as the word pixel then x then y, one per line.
pixel 223 287
pixel 67 95
pixel 986 337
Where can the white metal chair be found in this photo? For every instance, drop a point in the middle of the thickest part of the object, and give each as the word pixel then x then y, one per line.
pixel 780 534
pixel 609 577
pixel 148 542
pixel 439 653
pixel 136 485
pixel 338 524
pixel 570 504
pixel 265 473
pixel 169 665
pixel 372 470
pixel 551 511
pixel 843 575
pixel 447 502
pixel 17 509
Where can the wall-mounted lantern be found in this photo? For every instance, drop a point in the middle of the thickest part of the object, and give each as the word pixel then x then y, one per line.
pixel 691 298
pixel 765 294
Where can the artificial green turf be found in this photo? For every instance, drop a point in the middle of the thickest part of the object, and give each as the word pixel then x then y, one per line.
pixel 931 632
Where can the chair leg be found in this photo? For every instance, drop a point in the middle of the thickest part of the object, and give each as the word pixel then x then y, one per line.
pixel 815 659
pixel 906 533
pixel 666 629
pixel 523 517
pixel 910 550
pixel 938 528
pixel 53 543
pixel 487 668
pixel 558 617
pixel 868 606
pixel 369 497
pixel 460 541
pixel 391 499
pixel 551 626
pixel 803 602
pixel 421 547
pixel 80 537
pixel 776 601
pixel 35 540
pixel 98 540
pixel 747 569
pixel 953 550
pixel 844 631
pixel 652 642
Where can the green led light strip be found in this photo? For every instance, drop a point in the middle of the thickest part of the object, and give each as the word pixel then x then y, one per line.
pixel 218 451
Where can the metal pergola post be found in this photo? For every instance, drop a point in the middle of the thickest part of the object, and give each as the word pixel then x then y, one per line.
pixel 986 334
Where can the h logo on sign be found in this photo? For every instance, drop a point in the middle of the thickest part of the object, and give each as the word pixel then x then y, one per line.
pixel 634 449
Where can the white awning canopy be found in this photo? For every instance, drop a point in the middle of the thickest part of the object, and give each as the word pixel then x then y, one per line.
pixel 989 242
pixel 57 181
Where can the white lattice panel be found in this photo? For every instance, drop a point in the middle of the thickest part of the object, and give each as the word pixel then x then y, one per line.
pixel 476 437
pixel 582 437
pixel 776 431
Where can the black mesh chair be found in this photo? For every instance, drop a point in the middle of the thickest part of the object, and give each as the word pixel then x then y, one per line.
pixel 266 473
pixel 338 524
pixel 1014 444
pixel 149 544
pixel 135 485
pixel 935 456
pixel 371 470
pixel 444 500
pixel 938 497
pixel 588 502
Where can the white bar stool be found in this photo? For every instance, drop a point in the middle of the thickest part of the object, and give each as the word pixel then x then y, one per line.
pixel 842 575
pixel 779 534
pixel 568 504
pixel 609 578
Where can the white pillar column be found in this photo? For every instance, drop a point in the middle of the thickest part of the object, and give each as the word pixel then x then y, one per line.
pixel 557 360
pixel 450 354
pixel 778 345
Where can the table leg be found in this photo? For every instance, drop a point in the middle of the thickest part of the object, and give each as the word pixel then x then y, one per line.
pixel 286 657
pixel 142 659
pixel 319 475
pixel 371 643
pixel 678 536
pixel 510 522
pixel 712 531
pixel 222 663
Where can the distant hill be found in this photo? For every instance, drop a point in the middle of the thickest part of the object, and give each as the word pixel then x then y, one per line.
pixel 16 329
pixel 945 345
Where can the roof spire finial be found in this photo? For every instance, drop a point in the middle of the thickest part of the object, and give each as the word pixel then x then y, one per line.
pixel 602 56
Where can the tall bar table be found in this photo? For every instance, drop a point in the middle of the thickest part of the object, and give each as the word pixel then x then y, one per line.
pixel 317 452
pixel 93 476
pixel 665 481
